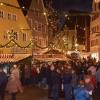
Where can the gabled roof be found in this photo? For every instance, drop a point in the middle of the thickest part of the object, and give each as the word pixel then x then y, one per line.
pixel 11 2
pixel 37 7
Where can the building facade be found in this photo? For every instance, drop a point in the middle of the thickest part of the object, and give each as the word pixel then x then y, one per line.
pixel 95 31
pixel 39 25
pixel 15 33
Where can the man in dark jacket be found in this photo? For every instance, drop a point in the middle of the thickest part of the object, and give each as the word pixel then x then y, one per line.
pixel 67 79
pixel 3 82
pixel 56 81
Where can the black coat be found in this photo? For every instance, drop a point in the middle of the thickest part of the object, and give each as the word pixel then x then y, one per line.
pixel 56 78
pixel 3 81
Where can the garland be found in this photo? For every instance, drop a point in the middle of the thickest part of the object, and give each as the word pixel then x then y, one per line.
pixel 15 43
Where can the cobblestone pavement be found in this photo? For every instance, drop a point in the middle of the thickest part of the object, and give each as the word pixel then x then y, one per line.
pixel 34 93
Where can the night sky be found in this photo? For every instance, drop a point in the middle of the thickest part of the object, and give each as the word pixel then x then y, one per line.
pixel 79 5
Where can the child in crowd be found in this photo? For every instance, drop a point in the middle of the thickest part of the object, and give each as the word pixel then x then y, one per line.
pixel 80 92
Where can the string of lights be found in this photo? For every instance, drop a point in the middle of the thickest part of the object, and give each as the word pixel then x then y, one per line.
pixel 9 44
pixel 14 43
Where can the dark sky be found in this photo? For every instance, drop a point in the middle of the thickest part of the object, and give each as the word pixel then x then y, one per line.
pixel 80 5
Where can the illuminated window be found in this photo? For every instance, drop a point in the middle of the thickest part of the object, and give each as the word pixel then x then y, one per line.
pixel 95 55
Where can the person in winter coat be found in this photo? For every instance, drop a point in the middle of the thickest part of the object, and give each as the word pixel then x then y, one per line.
pixel 56 82
pixel 98 79
pixel 14 86
pixel 3 82
pixel 67 83
pixel 15 70
pixel 49 80
pixel 89 85
pixel 80 92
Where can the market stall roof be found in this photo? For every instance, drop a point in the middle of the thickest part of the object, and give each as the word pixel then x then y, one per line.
pixel 51 55
pixel 51 59
pixel 6 58
pixel 53 52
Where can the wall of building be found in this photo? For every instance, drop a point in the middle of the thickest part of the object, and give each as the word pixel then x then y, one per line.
pixel 12 19
pixel 95 31
pixel 38 24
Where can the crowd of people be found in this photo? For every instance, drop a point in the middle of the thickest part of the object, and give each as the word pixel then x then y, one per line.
pixel 74 79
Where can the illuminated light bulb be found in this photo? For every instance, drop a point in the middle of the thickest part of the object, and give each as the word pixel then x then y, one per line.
pixel 68 18
pixel 76 45
pixel 30 39
pixel 44 13
pixel 66 15
pixel 23 7
pixel 1 4
pixel 84 29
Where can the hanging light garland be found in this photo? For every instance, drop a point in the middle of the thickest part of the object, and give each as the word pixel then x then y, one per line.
pixel 12 42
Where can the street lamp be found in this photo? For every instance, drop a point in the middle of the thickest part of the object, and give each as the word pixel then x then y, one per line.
pixel 45 13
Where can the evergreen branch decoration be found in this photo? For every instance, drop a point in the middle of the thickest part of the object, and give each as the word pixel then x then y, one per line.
pixel 15 43
pixel 12 42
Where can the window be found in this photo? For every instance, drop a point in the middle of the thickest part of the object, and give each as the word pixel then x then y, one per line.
pixel 94 42
pixel 9 16
pixel 14 17
pixel 5 37
pixel 95 6
pixel 36 25
pixel 1 14
pixel 30 22
pixel 97 28
pixel 24 37
pixel 15 36
pixel 39 27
